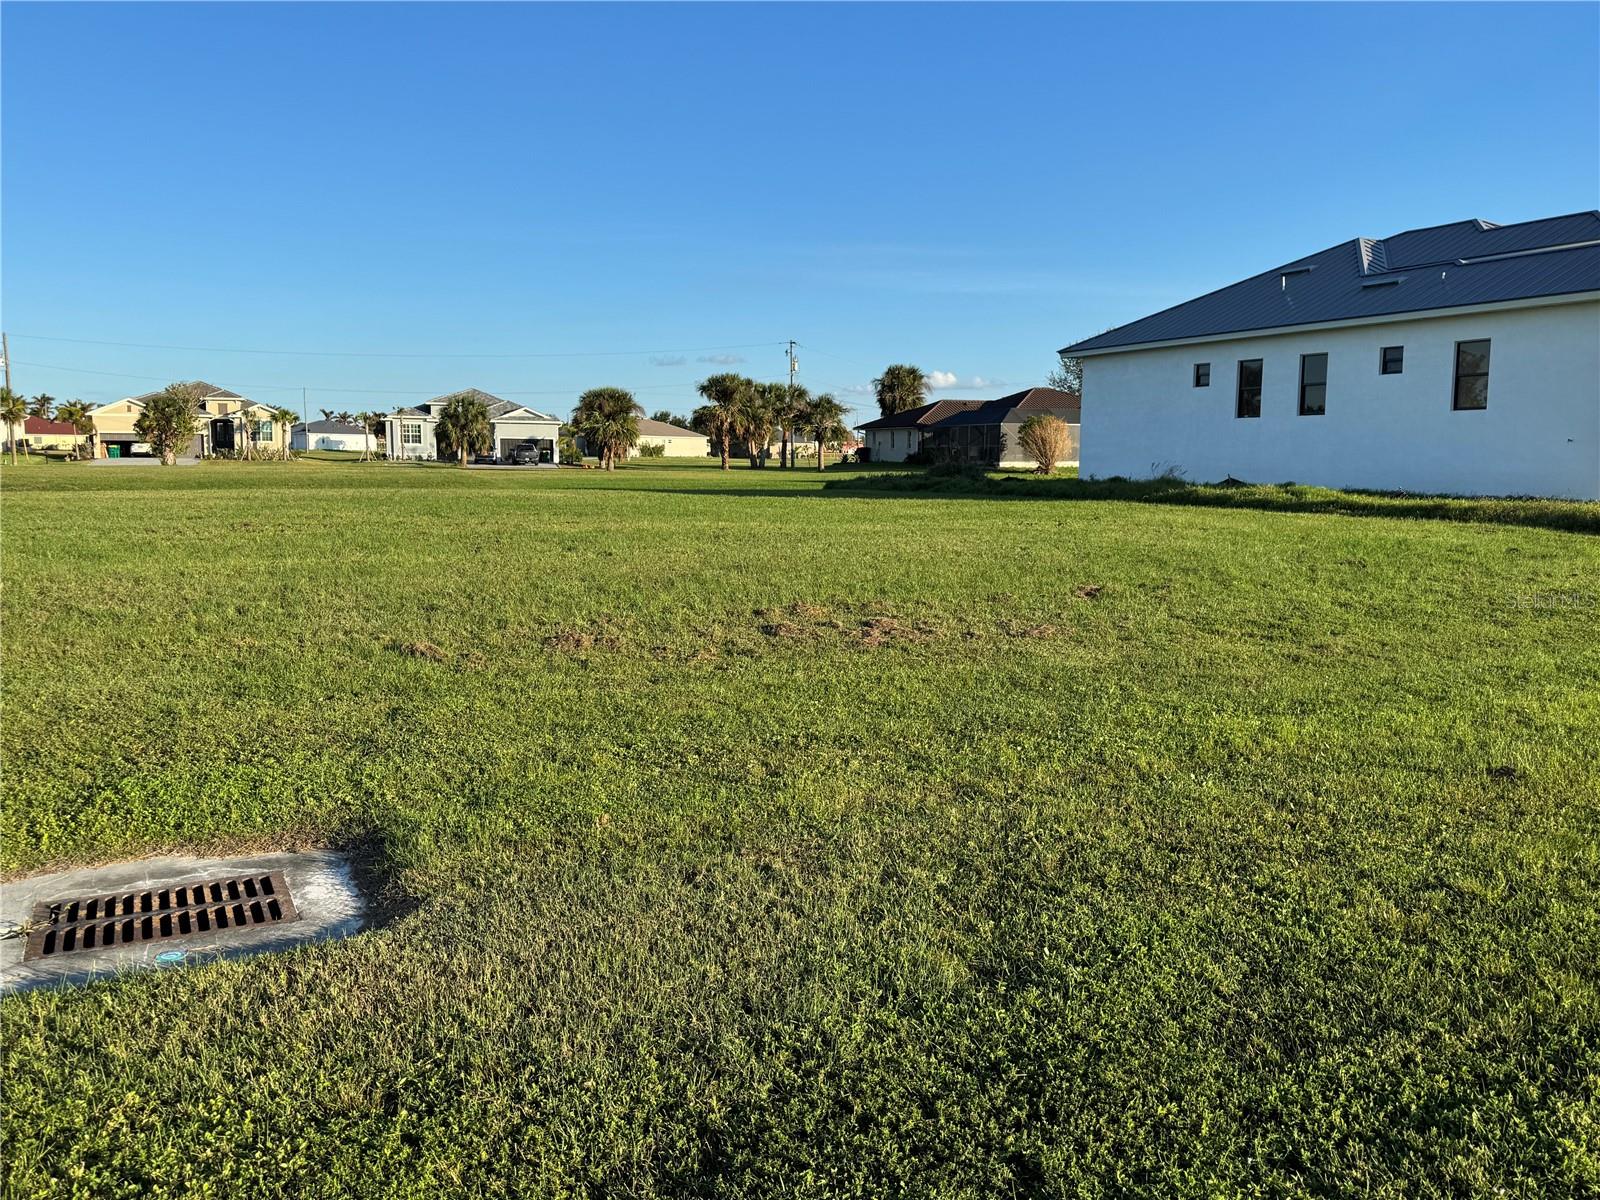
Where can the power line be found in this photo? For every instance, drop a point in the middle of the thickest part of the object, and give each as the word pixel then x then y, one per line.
pixel 39 337
pixel 297 387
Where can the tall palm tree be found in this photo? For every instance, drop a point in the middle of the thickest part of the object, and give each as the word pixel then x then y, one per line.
pixel 43 405
pixel 608 420
pixel 463 425
pixel 287 418
pixel 900 387
pixel 13 411
pixel 722 416
pixel 791 408
pixel 824 418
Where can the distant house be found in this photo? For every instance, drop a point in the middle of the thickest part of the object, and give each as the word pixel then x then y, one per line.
pixel 1461 358
pixel 331 435
pixel 894 437
pixel 227 421
pixel 409 432
pixel 39 433
pixel 678 441
pixel 986 434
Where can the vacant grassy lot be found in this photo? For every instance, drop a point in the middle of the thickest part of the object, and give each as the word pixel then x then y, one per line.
pixel 740 837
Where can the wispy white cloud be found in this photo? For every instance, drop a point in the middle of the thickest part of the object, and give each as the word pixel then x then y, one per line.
pixel 722 360
pixel 949 381
pixel 667 360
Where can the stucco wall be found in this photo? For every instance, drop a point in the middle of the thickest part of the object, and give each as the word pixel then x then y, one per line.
pixel 1539 435
pixel 892 445
pixel 677 447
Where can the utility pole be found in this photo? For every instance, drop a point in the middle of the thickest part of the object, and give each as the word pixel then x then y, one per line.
pixel 5 353
pixel 794 365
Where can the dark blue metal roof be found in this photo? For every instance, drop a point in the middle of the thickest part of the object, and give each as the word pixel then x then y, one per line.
pixel 1446 266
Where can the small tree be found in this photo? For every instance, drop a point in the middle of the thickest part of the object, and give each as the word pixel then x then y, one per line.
pixel 1068 376
pixel 287 419
pixel 13 411
pixel 372 424
pixel 169 420
pixel 900 387
pixel 463 426
pixel 76 414
pixel 1046 439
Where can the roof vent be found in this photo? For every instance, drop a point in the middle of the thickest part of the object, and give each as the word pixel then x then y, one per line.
pixel 1374 257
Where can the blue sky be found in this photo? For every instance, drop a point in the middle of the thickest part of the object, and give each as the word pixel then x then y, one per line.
pixel 644 195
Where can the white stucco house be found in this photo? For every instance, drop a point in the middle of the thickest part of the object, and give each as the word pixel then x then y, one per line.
pixel 409 432
pixel 331 435
pixel 894 437
pixel 675 440
pixel 1460 359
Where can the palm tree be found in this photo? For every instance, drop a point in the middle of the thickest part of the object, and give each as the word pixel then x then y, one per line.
pixel 42 405
pixel 372 424
pixel 791 408
pixel 76 414
pixel 327 413
pixel 824 418
pixel 463 425
pixel 762 415
pixel 608 420
pixel 13 411
pixel 722 416
pixel 287 418
pixel 900 387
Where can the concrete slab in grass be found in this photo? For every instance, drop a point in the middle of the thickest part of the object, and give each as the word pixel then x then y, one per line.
pixel 320 882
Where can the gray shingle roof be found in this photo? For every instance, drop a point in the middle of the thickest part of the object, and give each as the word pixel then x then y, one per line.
pixel 1443 266
pixel 208 391
pixel 344 427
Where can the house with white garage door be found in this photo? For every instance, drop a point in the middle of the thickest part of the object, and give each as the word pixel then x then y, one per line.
pixel 409 432
pixel 1460 359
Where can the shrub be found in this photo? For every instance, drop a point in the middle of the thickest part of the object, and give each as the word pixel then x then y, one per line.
pixel 651 449
pixel 1046 439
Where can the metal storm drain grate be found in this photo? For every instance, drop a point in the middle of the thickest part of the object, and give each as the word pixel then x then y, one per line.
pixel 101 922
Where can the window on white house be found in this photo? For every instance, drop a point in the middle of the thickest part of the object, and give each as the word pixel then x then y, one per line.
pixel 1392 360
pixel 1248 400
pixel 411 433
pixel 1313 385
pixel 1202 374
pixel 1472 375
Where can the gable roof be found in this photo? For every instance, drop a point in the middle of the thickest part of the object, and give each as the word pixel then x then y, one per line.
pixel 346 427
pixel 922 415
pixel 653 428
pixel 498 409
pixel 1442 266
pixel 1018 406
pixel 208 391
pixel 43 425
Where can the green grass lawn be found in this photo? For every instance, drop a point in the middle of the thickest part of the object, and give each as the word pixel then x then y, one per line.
pixel 739 836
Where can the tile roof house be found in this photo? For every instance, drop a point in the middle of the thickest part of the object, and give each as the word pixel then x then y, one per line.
pixel 410 431
pixel 1460 358
pixel 894 437
pixel 986 435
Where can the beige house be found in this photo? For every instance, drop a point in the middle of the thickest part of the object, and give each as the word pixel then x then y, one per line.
pixel 226 420
pixel 41 433
pixel 678 441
